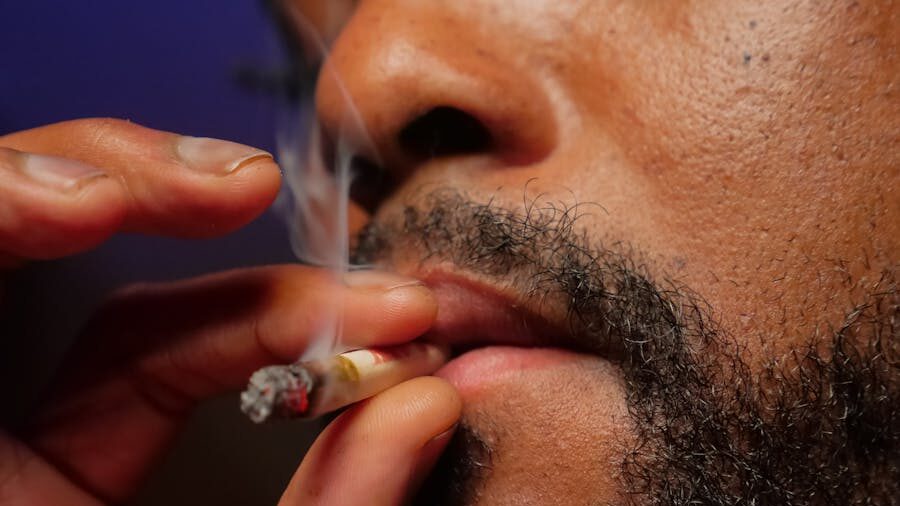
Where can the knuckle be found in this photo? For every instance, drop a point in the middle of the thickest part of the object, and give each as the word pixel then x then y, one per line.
pixel 9 158
pixel 94 130
pixel 118 315
pixel 124 300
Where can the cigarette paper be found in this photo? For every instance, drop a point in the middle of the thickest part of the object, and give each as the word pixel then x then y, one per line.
pixel 313 388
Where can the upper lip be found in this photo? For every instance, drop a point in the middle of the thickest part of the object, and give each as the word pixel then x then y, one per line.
pixel 474 312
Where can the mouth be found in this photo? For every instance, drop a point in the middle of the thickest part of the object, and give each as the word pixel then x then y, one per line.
pixel 495 331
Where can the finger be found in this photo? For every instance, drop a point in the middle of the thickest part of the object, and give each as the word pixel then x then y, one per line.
pixel 377 452
pixel 51 207
pixel 228 324
pixel 175 185
pixel 28 480
pixel 156 350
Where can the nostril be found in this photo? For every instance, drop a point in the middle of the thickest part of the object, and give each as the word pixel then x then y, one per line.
pixel 371 183
pixel 444 131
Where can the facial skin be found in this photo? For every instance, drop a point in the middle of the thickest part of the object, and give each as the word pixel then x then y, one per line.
pixel 738 161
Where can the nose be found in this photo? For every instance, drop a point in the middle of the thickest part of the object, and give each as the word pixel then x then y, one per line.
pixel 403 92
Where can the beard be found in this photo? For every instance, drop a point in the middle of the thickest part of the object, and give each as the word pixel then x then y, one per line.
pixel 820 426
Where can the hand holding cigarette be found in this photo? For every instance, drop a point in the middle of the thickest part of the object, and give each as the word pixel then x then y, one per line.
pixel 154 351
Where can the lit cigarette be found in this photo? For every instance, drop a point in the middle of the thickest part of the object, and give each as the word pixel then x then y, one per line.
pixel 309 389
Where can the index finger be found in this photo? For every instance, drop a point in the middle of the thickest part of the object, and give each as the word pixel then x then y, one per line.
pixel 173 184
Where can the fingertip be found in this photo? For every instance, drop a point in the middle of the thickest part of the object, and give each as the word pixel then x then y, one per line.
pixel 195 204
pixel 225 182
pixel 432 397
pixel 389 316
pixel 379 448
pixel 446 411
pixel 253 186
pixel 242 196
pixel 414 411
pixel 414 306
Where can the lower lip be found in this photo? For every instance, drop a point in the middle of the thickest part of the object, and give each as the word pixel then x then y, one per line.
pixel 480 367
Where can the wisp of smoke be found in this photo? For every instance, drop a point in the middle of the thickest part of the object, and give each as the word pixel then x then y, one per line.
pixel 315 197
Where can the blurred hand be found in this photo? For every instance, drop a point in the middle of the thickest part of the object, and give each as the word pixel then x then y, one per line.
pixel 154 351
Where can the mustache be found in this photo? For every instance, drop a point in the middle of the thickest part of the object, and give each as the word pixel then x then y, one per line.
pixel 612 303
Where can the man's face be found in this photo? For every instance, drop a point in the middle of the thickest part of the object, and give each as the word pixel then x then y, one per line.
pixel 691 207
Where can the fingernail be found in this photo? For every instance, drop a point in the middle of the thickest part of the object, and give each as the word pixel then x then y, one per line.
pixel 428 456
pixel 215 156
pixel 379 279
pixel 435 445
pixel 59 173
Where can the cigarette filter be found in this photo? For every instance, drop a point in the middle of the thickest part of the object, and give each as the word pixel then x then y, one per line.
pixel 312 388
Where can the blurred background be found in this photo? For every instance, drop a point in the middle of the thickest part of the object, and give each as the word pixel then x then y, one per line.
pixel 170 65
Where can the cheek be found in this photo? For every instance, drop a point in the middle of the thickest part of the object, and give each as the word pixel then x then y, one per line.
pixel 557 436
pixel 751 165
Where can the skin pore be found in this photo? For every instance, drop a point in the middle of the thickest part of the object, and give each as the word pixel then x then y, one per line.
pixel 733 166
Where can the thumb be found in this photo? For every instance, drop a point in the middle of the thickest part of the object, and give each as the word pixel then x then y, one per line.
pixel 379 451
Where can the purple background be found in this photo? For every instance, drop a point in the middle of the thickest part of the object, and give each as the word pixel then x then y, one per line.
pixel 168 65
